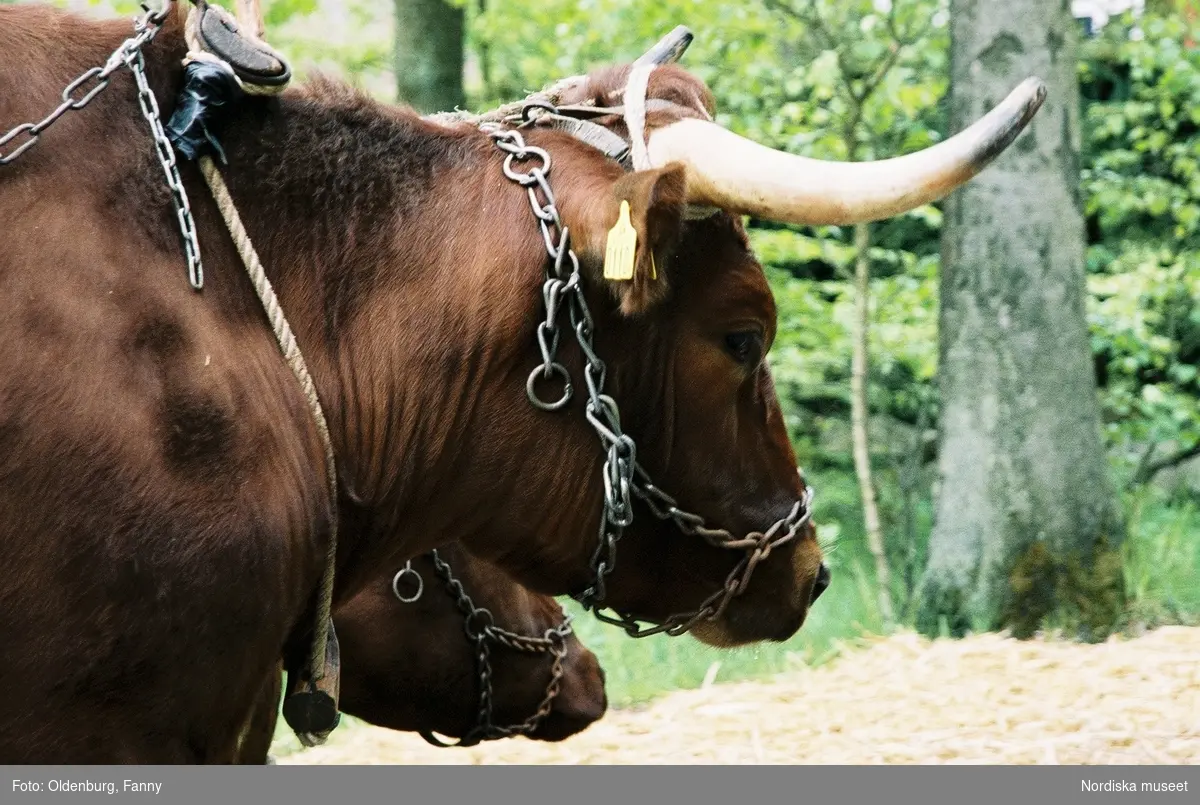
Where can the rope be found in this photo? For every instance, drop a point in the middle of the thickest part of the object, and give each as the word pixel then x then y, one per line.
pixel 550 94
pixel 295 360
pixel 291 353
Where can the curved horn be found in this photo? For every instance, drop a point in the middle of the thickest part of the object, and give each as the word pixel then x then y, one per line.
pixel 729 171
pixel 669 49
pixel 250 18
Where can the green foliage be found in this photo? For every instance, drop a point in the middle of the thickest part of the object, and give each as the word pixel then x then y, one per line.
pixel 531 44
pixel 1142 187
pixel 350 39
pixel 279 12
pixel 1162 558
pixel 1145 323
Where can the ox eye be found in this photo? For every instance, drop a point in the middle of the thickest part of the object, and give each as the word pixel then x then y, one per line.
pixel 745 347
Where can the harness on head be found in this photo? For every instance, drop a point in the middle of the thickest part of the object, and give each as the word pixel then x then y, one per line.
pixel 624 477
pixel 481 630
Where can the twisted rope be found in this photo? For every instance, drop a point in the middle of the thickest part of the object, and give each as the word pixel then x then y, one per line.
pixel 551 94
pixel 295 360
pixel 291 354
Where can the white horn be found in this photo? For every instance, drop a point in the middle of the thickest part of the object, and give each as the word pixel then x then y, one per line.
pixel 250 18
pixel 729 171
pixel 669 49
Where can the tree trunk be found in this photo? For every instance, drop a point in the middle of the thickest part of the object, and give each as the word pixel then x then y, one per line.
pixel 1027 525
pixel 485 58
pixel 429 55
pixel 858 420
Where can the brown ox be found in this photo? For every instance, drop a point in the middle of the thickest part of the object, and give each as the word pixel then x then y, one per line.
pixel 163 499
pixel 410 665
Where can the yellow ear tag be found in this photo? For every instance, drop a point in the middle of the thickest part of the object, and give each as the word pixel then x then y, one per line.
pixel 621 248
pixel 653 268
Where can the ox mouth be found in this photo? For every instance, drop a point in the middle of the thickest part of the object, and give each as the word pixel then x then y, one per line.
pixel 560 729
pixel 733 631
pixel 790 630
pixel 558 726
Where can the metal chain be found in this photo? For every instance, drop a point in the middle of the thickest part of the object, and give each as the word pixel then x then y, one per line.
pixel 623 476
pixel 145 30
pixel 166 158
pixel 128 54
pixel 481 629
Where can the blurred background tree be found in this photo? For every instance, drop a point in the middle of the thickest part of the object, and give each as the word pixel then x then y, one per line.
pixel 429 54
pixel 1026 523
pixel 860 76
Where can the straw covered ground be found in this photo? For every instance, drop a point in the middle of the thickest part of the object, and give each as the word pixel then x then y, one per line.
pixel 903 699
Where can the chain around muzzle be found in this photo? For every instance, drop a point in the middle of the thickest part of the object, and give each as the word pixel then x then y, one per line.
pixel 480 628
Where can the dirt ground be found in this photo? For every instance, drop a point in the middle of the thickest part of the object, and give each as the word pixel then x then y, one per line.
pixel 903 699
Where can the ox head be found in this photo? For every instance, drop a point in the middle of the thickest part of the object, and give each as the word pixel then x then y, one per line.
pixel 409 664
pixel 686 337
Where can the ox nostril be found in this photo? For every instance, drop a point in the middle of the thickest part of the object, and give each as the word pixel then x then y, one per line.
pixel 821 584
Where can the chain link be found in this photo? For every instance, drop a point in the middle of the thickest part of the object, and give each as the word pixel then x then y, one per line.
pixel 481 629
pixel 166 158
pixel 146 29
pixel 94 81
pixel 623 477
pixel 99 75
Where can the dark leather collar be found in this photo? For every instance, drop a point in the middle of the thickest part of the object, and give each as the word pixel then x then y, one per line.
pixel 252 60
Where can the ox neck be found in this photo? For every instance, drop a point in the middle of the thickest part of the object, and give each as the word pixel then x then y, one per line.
pixel 414 321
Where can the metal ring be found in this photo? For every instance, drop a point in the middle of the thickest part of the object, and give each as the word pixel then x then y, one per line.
pixel 542 371
pixel 485 621
pixel 407 570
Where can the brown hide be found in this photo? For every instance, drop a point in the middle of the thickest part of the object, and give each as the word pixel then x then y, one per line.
pixel 163 511
pixel 161 484
pixel 410 666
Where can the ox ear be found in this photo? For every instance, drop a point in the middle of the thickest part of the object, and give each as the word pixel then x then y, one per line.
pixel 657 202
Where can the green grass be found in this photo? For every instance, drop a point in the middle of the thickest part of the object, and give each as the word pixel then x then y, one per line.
pixel 1162 557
